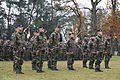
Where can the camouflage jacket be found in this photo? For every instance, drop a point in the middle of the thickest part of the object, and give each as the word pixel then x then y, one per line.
pixel 41 41
pixel 56 39
pixel 71 46
pixel 107 46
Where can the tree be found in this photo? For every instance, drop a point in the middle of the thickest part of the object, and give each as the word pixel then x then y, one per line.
pixel 93 11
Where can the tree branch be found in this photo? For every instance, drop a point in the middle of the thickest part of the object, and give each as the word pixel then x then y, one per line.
pixel 87 8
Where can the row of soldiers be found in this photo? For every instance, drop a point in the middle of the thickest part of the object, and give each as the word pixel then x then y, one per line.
pixel 93 49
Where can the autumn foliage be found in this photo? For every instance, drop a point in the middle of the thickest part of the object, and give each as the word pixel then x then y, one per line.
pixel 111 23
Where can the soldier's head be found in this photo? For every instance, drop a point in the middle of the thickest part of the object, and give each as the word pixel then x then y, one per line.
pixel 56 29
pixel 1 40
pixel 16 28
pixel 8 41
pixel 99 33
pixel 108 38
pixel 20 28
pixel 35 33
pixel 71 35
pixel 41 29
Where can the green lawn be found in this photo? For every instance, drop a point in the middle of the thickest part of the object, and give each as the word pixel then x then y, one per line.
pixel 6 72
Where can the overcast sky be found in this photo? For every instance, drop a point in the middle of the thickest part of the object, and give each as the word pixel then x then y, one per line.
pixel 85 3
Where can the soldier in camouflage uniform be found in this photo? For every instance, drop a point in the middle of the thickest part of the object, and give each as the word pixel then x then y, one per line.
pixel 19 49
pixel 107 53
pixel 56 39
pixel 70 52
pixel 92 47
pixel 41 42
pixel 85 52
pixel 99 52
pixel 34 48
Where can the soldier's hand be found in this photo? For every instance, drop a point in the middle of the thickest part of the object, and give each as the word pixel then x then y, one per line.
pixel 97 52
pixel 52 49
pixel 37 51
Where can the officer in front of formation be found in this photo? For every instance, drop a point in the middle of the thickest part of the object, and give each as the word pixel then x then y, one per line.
pixel 70 51
pixel 19 43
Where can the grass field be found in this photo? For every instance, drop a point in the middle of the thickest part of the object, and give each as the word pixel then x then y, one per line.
pixel 80 73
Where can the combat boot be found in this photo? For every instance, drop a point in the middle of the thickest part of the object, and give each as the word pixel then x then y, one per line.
pixel 107 68
pixel 91 68
pixel 19 73
pixel 33 69
pixel 39 71
pixel 98 70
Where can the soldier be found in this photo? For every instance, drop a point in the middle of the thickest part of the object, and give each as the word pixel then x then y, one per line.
pixel 107 53
pixel 99 52
pixel 19 49
pixel 14 47
pixel 85 52
pixel 41 42
pixel 33 41
pixel 92 47
pixel 70 52
pixel 56 39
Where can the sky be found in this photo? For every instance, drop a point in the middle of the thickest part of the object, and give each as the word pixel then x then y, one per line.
pixel 85 3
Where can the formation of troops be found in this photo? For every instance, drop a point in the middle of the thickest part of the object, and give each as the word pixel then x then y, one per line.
pixel 40 48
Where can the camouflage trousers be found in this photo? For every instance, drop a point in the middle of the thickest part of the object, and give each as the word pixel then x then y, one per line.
pixel 54 58
pixel 91 59
pixel 34 60
pixel 107 59
pixel 85 58
pixel 49 61
pixel 18 64
pixel 39 60
pixel 70 61
pixel 99 58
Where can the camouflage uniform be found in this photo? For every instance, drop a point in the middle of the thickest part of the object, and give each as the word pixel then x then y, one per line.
pixel 41 42
pixel 107 53
pixel 92 47
pixel 34 48
pixel 99 53
pixel 85 53
pixel 70 53
pixel 18 51
pixel 55 45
